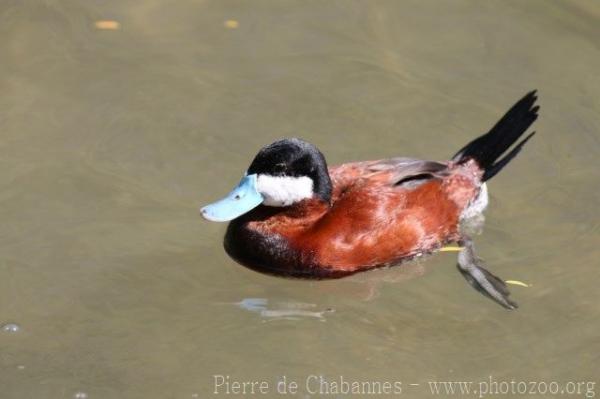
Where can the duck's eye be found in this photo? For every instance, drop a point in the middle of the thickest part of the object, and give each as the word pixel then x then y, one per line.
pixel 237 197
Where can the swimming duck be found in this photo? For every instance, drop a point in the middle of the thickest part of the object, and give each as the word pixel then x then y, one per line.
pixel 291 215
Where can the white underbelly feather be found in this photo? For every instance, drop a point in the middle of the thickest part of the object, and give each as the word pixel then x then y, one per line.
pixel 478 205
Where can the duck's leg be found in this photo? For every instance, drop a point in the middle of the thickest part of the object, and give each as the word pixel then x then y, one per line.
pixel 470 266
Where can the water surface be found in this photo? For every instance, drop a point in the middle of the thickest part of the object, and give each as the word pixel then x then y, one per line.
pixel 110 140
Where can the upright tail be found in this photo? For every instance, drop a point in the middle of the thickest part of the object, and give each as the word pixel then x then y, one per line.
pixel 488 149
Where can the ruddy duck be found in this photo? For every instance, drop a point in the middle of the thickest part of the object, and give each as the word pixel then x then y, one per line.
pixel 293 216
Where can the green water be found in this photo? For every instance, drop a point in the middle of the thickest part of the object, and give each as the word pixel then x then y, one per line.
pixel 110 140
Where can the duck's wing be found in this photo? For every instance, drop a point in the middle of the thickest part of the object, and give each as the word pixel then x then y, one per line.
pixel 405 172
pixel 398 171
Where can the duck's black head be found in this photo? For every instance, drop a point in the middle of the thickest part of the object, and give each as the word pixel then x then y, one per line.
pixel 282 174
pixel 291 163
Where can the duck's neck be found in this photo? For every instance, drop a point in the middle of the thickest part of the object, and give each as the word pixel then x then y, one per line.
pixel 286 221
pixel 312 208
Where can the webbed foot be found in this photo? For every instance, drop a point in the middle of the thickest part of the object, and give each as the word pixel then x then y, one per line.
pixel 482 280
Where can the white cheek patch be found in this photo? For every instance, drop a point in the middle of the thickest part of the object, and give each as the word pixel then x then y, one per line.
pixel 284 190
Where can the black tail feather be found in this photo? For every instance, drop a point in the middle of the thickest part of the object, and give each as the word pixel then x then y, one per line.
pixel 487 149
pixel 495 168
